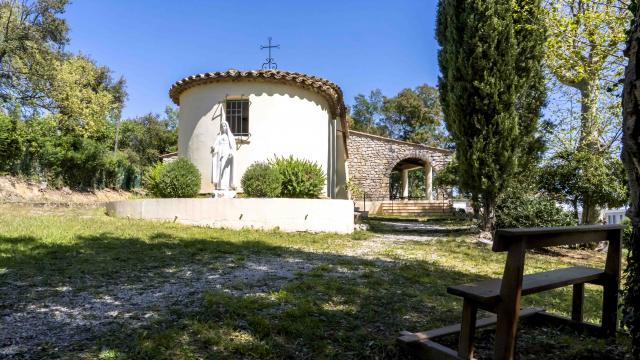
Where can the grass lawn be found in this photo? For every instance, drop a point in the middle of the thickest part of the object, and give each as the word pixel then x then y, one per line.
pixel 75 283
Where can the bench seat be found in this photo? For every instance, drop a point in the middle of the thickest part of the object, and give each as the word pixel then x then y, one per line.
pixel 488 292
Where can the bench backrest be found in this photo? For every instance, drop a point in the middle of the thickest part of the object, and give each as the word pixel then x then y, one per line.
pixel 538 237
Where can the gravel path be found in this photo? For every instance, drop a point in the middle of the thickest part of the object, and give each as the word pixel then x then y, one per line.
pixel 37 318
pixel 56 318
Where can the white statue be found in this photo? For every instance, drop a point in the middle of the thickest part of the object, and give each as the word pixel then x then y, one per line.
pixel 223 149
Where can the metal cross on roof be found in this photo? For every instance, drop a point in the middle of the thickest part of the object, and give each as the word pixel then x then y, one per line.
pixel 270 63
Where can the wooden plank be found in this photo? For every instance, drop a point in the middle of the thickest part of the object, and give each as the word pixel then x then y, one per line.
pixel 552 236
pixel 528 231
pixel 488 291
pixel 544 318
pixel 467 330
pixel 611 284
pixel 433 351
pixel 407 337
pixel 577 313
pixel 509 307
pixel 428 350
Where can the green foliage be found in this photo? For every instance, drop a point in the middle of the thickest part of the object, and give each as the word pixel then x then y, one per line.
pixel 179 179
pixel 626 233
pixel 300 178
pixel 530 210
pixel 479 89
pixel 85 97
pixel 261 180
pixel 412 115
pixel 588 178
pixel 366 114
pixel 150 136
pixel 10 142
pixel 355 190
pixel 448 176
pixel 151 178
pixel 531 34
pixel 33 36
pixel 415 115
pixel 119 171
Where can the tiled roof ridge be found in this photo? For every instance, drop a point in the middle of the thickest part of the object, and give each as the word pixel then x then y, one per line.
pixel 326 88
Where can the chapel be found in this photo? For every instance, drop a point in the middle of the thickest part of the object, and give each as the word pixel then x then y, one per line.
pixel 270 113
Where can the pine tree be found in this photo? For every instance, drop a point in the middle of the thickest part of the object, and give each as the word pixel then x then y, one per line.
pixel 478 87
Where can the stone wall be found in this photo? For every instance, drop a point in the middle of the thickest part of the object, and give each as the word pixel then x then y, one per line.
pixel 372 158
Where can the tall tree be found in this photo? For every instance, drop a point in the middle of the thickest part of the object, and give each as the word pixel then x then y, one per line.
pixel 85 97
pixel 531 36
pixel 412 115
pixel 367 113
pixel 586 38
pixel 631 160
pixel 415 115
pixel 32 36
pixel 479 89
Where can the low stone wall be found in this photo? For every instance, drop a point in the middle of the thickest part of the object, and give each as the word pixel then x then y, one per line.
pixel 316 215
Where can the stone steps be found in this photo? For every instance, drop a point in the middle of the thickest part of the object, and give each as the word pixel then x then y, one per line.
pixel 417 207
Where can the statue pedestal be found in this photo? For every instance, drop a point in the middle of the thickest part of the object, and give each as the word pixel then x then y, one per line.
pixel 223 194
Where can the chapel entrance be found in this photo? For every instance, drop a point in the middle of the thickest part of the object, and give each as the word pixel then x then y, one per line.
pixel 411 179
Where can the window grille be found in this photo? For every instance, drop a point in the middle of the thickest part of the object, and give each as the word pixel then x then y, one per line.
pixel 237 112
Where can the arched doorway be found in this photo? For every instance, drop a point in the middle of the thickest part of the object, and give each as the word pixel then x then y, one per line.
pixel 411 179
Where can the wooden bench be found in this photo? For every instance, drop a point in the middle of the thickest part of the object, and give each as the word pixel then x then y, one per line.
pixel 502 296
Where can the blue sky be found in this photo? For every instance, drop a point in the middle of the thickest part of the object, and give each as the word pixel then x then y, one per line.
pixel 360 45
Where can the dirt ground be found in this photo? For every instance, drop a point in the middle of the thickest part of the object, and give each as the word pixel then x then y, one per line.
pixel 15 190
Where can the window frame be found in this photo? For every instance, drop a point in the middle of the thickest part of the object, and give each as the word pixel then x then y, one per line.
pixel 239 120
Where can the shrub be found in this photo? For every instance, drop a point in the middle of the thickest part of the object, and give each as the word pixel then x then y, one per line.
pixel 178 179
pixel 355 190
pixel 300 178
pixel 531 210
pixel 261 180
pixel 151 178
pixel 119 171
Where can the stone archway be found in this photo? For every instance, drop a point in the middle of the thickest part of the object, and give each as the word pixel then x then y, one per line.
pixel 372 159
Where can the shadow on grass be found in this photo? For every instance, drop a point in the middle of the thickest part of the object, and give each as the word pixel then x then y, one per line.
pixel 341 307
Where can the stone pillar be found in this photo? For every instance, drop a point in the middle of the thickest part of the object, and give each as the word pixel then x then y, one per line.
pixel 428 181
pixel 405 183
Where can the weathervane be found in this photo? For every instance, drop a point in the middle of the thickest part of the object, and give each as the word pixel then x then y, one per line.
pixel 270 61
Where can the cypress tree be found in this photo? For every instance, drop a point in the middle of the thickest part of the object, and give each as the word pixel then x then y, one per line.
pixel 531 36
pixel 490 63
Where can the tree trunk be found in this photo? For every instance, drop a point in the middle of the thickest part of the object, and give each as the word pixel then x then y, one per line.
pixel 631 160
pixel 590 213
pixel 488 216
pixel 589 95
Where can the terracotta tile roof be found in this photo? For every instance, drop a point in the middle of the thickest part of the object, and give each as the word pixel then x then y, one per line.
pixel 330 91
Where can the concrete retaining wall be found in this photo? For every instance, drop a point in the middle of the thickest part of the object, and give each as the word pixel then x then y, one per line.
pixel 316 215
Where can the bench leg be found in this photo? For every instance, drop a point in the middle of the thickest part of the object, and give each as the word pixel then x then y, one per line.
pixel 610 309
pixel 467 330
pixel 577 304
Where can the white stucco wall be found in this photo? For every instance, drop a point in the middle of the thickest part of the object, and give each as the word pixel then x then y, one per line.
pixel 316 215
pixel 283 120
